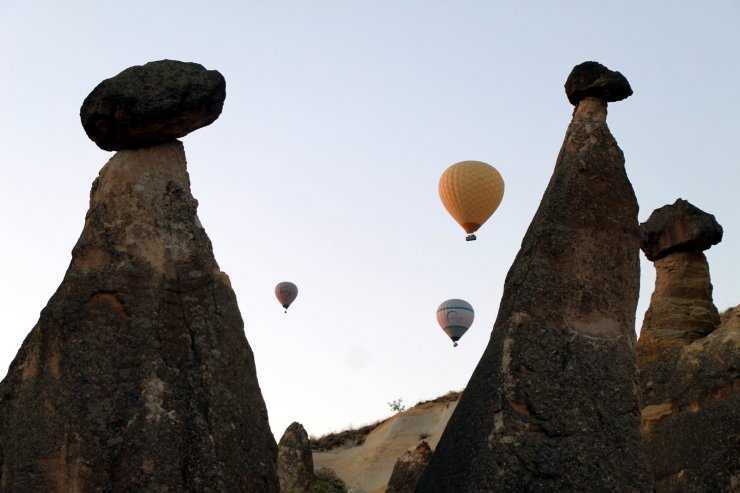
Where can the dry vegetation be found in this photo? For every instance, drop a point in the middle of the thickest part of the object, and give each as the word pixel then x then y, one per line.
pixel 356 436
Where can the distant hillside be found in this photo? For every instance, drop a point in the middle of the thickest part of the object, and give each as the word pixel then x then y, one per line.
pixel 364 457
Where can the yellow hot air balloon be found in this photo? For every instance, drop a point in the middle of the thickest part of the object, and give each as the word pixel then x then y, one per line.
pixel 471 191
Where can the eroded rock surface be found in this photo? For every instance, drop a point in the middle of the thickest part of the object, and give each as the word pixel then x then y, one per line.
pixel 295 461
pixel 678 227
pixel 408 469
pixel 681 307
pixel 691 412
pixel 553 403
pixel 688 361
pixel 138 375
pixel 151 104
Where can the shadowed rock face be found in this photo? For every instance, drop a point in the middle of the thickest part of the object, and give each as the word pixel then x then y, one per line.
pixel 138 376
pixel 408 469
pixel 295 461
pixel 592 79
pixel 553 403
pixel 152 104
pixel 691 411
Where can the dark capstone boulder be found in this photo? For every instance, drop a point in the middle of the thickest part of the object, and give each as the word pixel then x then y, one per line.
pixel 295 461
pixel 592 79
pixel 138 376
pixel 678 227
pixel 553 404
pixel 691 412
pixel 151 104
pixel 408 469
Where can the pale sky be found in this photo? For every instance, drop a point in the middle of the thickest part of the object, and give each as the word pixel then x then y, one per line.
pixel 322 170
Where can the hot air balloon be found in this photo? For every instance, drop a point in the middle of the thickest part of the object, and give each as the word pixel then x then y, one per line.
pixel 455 317
pixel 286 293
pixel 471 191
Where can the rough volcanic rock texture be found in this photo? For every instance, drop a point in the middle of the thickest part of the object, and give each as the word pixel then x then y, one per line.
pixel 691 413
pixel 138 376
pixel 152 104
pixel 678 227
pixel 553 404
pixel 592 79
pixel 408 469
pixel 681 308
pixel 295 461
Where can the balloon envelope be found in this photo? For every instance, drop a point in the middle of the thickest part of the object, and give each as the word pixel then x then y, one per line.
pixel 286 293
pixel 455 317
pixel 471 191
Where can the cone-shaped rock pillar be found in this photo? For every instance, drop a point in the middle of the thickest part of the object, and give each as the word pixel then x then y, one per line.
pixel 138 376
pixel 553 403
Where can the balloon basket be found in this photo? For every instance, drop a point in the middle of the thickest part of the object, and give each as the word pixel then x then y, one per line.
pixel 470 237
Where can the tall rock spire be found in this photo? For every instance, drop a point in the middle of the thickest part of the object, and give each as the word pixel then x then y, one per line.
pixel 553 403
pixel 138 375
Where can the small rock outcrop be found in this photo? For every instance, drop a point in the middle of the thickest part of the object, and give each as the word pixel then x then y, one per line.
pixel 138 375
pixel 295 461
pixel 152 104
pixel 408 469
pixel 553 403
pixel 681 307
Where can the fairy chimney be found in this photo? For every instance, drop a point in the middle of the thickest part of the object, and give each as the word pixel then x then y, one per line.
pixel 553 403
pixel 688 356
pixel 138 375
pixel 681 308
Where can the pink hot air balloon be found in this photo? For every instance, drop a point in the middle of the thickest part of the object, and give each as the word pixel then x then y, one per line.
pixel 286 293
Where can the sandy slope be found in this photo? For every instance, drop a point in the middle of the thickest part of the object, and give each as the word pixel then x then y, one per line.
pixel 369 466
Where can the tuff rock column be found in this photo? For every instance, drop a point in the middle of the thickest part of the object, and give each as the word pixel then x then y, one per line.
pixel 553 403
pixel 138 376
pixel 689 358
pixel 681 307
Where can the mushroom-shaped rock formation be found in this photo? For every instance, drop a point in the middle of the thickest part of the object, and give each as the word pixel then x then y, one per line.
pixel 553 404
pixel 679 226
pixel 681 307
pixel 592 79
pixel 295 461
pixel 408 469
pixel 151 104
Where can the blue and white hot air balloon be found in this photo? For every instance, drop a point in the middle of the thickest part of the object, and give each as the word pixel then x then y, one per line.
pixel 455 317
